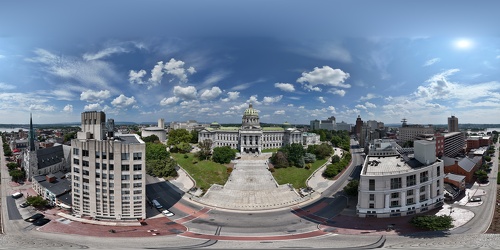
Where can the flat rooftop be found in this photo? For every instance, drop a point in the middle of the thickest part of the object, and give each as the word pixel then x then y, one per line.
pixel 382 165
pixel 128 139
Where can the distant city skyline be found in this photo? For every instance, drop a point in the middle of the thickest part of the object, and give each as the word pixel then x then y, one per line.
pixel 206 61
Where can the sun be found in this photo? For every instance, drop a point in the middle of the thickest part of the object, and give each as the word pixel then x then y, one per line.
pixel 463 44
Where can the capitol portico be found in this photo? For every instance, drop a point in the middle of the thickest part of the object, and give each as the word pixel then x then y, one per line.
pixel 251 137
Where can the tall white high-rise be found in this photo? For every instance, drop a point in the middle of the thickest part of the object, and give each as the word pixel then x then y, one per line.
pixel 108 172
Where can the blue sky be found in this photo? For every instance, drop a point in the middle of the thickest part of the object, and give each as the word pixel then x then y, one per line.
pixel 294 60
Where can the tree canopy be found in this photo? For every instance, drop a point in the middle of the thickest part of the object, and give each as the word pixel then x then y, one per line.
pixel 156 151
pixel 36 201
pixel 223 155
pixel 151 138
pixel 432 222
pixel 177 136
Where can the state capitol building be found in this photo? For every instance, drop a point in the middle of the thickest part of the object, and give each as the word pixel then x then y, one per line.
pixel 252 138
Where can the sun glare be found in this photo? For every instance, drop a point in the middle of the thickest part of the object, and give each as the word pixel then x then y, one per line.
pixel 463 44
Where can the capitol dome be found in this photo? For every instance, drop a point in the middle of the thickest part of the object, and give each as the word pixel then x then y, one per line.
pixel 251 111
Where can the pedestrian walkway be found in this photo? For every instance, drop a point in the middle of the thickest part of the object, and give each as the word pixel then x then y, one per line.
pixel 251 186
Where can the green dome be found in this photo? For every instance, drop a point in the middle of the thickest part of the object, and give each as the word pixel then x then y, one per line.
pixel 251 111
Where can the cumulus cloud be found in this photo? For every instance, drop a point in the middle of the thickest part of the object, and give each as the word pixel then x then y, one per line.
pixel 122 101
pixel 331 109
pixel 360 106
pixel 68 108
pixel 41 107
pixel 324 76
pixel 187 93
pixel 287 87
pixel 321 99
pixel 439 86
pixel 239 107
pixel 339 92
pixel 289 105
pixel 368 96
pixel 95 96
pixel 169 101
pixel 370 105
pixel 431 62
pixel 231 96
pixel 253 99
pixel 92 107
pixel 173 67
pixel 63 94
pixel 279 112
pixel 211 94
pixel 5 86
pixel 271 99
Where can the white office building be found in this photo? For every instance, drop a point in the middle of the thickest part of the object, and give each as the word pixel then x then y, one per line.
pixel 400 184
pixel 108 172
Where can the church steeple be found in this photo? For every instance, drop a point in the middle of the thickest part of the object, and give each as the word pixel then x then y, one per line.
pixel 32 136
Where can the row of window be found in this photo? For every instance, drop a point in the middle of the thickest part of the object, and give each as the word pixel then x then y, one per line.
pixel 103 155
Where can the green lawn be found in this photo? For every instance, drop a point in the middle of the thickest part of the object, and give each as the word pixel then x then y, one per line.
pixel 270 150
pixel 296 176
pixel 205 173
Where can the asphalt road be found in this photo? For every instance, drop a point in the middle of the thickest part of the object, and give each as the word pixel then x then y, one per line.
pixel 12 209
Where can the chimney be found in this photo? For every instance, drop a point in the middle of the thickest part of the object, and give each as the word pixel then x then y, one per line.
pixel 50 178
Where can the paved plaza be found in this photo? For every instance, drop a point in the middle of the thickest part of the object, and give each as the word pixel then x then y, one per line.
pixel 251 186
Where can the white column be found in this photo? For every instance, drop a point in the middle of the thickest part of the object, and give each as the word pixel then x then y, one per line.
pixel 387 200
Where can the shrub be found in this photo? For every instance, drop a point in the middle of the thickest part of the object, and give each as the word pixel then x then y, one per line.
pixel 352 188
pixel 36 201
pixel 432 222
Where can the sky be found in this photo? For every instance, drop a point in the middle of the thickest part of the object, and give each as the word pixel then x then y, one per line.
pixel 295 61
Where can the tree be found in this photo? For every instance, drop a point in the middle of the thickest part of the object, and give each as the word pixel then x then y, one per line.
pixel 69 136
pixel 279 160
pixel 205 149
pixel 162 168
pixel 17 175
pixel 432 222
pixel 323 151
pixel 352 188
pixel 309 158
pixel 177 136
pixel 223 155
pixel 482 176
pixel 335 159
pixel 151 138
pixel 12 165
pixel 36 201
pixel 294 153
pixel 182 147
pixel 487 158
pixel 194 136
pixel 156 151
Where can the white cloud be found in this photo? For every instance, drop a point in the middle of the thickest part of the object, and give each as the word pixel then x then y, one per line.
pixel 279 112
pixel 172 67
pixel 68 108
pixel 289 105
pixel 301 107
pixel 5 86
pixel 104 53
pixel 242 86
pixel 41 107
pixel 324 76
pixel 231 96
pixel 187 93
pixel 370 105
pixel 253 99
pixel 122 101
pixel 431 62
pixel 63 94
pixel 360 106
pixel 368 96
pixel 229 112
pixel 339 92
pixel 239 107
pixel 331 109
pixel 287 87
pixel 190 104
pixel 94 73
pixel 271 99
pixel 321 99
pixel 214 78
pixel 211 94
pixel 136 76
pixel 169 101
pixel 438 88
pixel 176 68
pixel 92 107
pixel 95 96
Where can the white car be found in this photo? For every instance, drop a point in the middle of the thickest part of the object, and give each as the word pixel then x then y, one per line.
pixel 167 213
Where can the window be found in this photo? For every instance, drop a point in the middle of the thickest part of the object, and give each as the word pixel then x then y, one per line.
pixel 411 180
pixel 422 189
pixel 137 167
pixel 85 163
pixel 422 197
pixel 371 185
pixel 424 176
pixel 395 203
pixel 438 169
pixel 111 156
pixel 85 172
pixel 97 165
pixel 125 177
pixel 395 183
pixel 125 156
pixel 410 201
pixel 125 185
pixel 104 166
pixel 104 155
pixel 76 151
pixel 111 167
pixel 371 205
pixel 76 170
pixel 137 185
pixel 138 156
pixel 409 192
pixel 394 195
pixel 438 183
pixel 125 167
pixel 76 161
pixel 97 154
pixel 97 175
pixel 111 176
pixel 372 197
pixel 85 153
pixel 137 176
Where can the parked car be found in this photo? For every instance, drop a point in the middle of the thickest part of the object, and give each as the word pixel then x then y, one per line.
pixel 167 213
pixel 17 195
pixel 41 222
pixel 24 204
pixel 34 217
pixel 475 199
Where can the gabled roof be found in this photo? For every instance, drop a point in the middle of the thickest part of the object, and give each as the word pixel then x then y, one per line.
pixel 468 164
pixel 454 177
pixel 49 156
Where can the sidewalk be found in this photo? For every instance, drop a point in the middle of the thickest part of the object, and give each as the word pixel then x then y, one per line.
pixel 319 183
